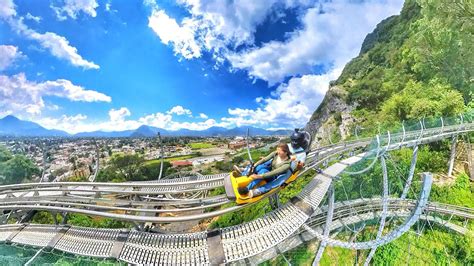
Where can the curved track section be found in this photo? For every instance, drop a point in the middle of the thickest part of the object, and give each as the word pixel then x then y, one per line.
pixel 102 199
pixel 367 210
pixel 220 246
pixel 197 248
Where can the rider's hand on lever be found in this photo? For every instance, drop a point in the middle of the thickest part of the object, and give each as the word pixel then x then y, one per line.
pixel 255 176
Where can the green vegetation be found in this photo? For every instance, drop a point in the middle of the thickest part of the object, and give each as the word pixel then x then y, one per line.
pixel 301 255
pixel 418 64
pixel 200 145
pixel 431 246
pixel 43 217
pixel 460 193
pixel 16 255
pixel 132 167
pixel 437 245
pixel 16 168
pixel 172 159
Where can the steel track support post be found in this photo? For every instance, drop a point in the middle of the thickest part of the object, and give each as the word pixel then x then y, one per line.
pixel 327 227
pixel 453 156
pixel 470 160
pixel 248 145
pixel 65 217
pixel 411 173
pixel 161 155
pixel 274 201
pixel 384 209
pixel 55 217
pixel 396 233
pixel 30 261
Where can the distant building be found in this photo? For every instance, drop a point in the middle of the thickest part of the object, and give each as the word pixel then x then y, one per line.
pixel 235 145
pixel 181 163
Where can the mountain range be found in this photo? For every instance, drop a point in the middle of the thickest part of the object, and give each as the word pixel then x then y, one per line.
pixel 12 126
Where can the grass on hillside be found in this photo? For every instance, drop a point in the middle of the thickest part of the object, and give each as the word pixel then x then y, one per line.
pixel 170 159
pixel 201 145
pixel 430 247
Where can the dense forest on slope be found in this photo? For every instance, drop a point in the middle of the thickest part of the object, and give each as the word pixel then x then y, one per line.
pixel 15 168
pixel 418 64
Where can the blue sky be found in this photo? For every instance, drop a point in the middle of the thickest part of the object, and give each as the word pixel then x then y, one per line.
pixel 84 65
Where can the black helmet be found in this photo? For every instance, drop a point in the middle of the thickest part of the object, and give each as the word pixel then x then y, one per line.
pixel 298 139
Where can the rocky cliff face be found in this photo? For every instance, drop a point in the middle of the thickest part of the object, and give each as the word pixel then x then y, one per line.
pixel 333 120
pixel 332 116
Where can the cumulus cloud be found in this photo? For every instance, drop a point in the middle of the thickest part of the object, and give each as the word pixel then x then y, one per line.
pixel 7 9
pixel 80 123
pixel 179 110
pixel 234 22
pixel 203 116
pixel 330 33
pixel 212 26
pixel 292 104
pixel 156 120
pixel 181 37
pixel 119 120
pixel 8 54
pixel 72 8
pixel 19 95
pixel 37 19
pixel 329 38
pixel 119 115
pixel 58 45
pixel 65 123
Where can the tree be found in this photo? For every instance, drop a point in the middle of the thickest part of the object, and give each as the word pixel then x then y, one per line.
pixel 5 155
pixel 420 100
pixel 151 171
pixel 17 169
pixel 128 165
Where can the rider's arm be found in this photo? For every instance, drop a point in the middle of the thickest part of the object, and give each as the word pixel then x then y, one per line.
pixel 268 157
pixel 278 171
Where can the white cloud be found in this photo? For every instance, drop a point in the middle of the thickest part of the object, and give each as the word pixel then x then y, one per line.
pixel 292 104
pixel 165 121
pixel 8 54
pixel 118 121
pixel 65 123
pixel 156 120
pixel 119 115
pixel 21 96
pixel 180 37
pixel 212 26
pixel 37 19
pixel 7 9
pixel 329 35
pixel 327 39
pixel 79 123
pixel 193 125
pixel 58 45
pixel 179 110
pixel 232 22
pixel 72 8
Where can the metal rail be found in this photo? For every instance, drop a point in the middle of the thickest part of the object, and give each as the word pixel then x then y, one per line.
pixel 231 243
pixel 145 248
